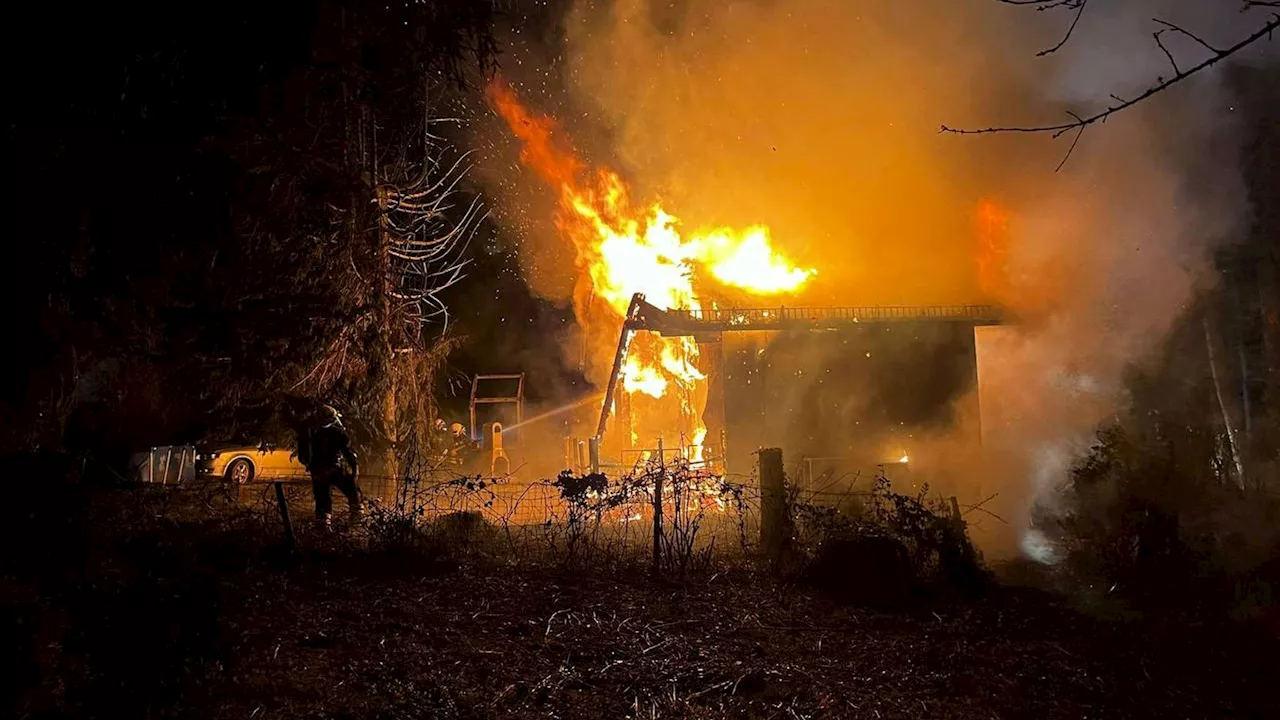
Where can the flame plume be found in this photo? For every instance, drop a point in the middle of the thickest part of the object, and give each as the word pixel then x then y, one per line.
pixel 622 249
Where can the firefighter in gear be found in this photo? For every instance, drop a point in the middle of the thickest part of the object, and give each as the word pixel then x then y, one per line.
pixel 462 448
pixel 324 449
pixel 442 440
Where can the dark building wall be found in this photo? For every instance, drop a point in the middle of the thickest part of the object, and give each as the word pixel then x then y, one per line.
pixel 862 392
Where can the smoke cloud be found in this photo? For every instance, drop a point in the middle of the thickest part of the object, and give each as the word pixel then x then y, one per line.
pixel 820 119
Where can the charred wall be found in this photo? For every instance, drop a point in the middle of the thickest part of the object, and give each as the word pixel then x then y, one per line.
pixel 861 393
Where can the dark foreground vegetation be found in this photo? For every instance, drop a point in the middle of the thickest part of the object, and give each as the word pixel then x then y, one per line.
pixel 174 603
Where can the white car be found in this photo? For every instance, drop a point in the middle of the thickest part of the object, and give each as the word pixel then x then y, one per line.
pixel 242 464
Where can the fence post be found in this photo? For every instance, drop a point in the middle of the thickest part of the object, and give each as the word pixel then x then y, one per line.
pixel 773 503
pixel 168 461
pixel 283 504
pixel 657 509
pixel 956 518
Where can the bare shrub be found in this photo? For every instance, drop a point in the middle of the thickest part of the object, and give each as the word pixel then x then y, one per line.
pixel 611 523
pixel 935 550
pixel 1150 509
pixel 439 515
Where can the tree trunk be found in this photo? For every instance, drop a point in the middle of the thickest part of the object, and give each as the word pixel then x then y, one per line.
pixel 1228 423
pixel 385 338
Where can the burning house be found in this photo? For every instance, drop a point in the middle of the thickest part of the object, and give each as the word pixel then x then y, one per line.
pixel 846 386
pixel 686 375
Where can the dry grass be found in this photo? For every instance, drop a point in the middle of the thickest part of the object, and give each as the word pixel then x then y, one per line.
pixel 487 644
pixel 182 607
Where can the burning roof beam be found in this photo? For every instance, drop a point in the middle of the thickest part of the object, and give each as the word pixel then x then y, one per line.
pixel 697 322
pixel 643 315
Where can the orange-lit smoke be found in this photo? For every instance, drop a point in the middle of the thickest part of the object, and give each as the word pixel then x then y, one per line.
pixel 621 249
pixel 820 120
pixel 992 255
pixel 1028 288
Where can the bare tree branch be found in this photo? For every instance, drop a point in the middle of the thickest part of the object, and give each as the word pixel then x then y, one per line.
pixel 1080 6
pixel 1193 36
pixel 1160 44
pixel 1044 4
pixel 1161 85
pixel 429 239
pixel 1071 149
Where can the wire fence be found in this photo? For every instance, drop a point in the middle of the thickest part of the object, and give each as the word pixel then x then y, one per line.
pixel 673 515
pixel 529 502
pixel 576 517
pixel 508 499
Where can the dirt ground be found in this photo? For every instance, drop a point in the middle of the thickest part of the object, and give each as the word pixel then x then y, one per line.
pixel 147 612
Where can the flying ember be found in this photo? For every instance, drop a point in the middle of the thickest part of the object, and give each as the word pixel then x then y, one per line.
pixel 623 249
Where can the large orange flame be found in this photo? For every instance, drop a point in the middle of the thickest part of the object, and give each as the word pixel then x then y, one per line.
pixel 622 250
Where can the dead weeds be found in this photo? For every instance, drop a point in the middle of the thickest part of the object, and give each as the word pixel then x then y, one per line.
pixel 190 617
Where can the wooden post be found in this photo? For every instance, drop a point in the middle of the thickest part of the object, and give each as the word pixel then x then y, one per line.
pixel 624 420
pixel 168 461
pixel 956 518
pixel 773 503
pixel 657 509
pixel 619 356
pixel 475 434
pixel 283 504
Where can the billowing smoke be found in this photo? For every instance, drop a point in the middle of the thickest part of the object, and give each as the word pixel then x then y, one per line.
pixel 820 118
pixel 1109 252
